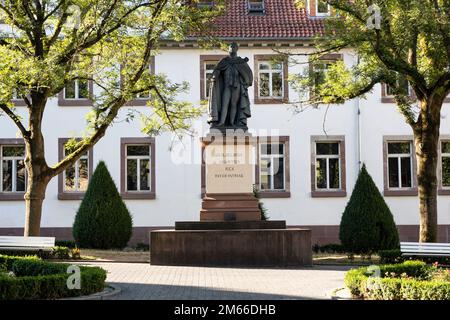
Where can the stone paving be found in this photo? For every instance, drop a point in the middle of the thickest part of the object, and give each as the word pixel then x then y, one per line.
pixel 144 281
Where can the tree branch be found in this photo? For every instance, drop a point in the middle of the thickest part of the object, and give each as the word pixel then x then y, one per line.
pixel 16 120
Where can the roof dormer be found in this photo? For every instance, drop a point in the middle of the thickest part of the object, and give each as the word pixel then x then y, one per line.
pixel 256 7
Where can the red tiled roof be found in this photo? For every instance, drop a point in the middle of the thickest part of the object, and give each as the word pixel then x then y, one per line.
pixel 282 19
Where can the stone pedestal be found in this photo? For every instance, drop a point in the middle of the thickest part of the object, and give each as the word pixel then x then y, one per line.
pixel 230 231
pixel 229 162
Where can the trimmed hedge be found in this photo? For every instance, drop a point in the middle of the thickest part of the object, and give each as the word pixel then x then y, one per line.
pixel 367 224
pixel 361 285
pixel 395 256
pixel 37 279
pixel 103 220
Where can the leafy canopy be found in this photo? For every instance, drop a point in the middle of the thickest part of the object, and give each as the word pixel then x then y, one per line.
pixel 412 43
pixel 46 44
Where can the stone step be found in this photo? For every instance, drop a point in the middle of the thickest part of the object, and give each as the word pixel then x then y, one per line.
pixel 229 225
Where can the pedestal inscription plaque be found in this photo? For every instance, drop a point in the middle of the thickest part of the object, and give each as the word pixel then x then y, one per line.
pixel 230 168
pixel 229 162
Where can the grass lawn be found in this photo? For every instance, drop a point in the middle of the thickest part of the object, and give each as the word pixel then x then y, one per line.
pixel 144 257
pixel 115 255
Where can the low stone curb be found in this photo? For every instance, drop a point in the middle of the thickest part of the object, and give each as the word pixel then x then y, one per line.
pixel 340 294
pixel 110 291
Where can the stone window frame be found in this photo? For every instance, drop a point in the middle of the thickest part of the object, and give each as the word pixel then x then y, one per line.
pixel 442 191
pixel 404 192
pixel 137 195
pixel 334 57
pixel 268 57
pixel 286 192
pixel 85 102
pixel 203 59
pixel 140 102
pixel 75 195
pixel 12 196
pixel 322 193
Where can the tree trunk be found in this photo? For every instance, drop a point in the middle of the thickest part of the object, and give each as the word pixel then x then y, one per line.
pixel 37 171
pixel 426 139
pixel 34 198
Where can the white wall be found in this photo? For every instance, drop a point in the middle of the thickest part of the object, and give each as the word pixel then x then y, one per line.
pixel 178 185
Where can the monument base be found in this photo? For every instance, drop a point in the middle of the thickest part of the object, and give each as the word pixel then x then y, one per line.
pixel 230 207
pixel 231 244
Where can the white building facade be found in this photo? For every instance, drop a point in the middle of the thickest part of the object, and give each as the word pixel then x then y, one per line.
pixel 306 177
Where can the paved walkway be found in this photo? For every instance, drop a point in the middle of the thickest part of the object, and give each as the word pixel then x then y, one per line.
pixel 143 281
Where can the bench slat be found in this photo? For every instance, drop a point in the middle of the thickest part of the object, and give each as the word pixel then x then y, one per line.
pixel 425 249
pixel 14 241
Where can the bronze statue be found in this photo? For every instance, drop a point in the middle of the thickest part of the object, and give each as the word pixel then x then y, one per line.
pixel 229 105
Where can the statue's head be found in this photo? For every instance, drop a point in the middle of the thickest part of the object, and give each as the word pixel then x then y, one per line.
pixel 233 48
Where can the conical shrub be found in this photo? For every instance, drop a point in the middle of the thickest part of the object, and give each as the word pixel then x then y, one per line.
pixel 367 224
pixel 103 220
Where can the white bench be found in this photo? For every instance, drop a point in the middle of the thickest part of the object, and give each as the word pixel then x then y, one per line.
pixel 425 249
pixel 11 243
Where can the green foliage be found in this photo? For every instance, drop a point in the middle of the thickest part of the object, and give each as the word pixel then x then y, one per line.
pixel 61 252
pixel 36 279
pixel 103 220
pixel 261 206
pixel 66 243
pixel 367 225
pixel 329 248
pixel 411 44
pixel 411 280
pixel 390 256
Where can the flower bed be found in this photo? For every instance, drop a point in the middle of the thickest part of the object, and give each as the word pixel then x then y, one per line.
pixel 411 280
pixel 33 278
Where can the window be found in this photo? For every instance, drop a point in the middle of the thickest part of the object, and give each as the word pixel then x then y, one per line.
pixel 272 170
pixel 445 147
pixel 13 169
pixel 76 93
pixel 207 65
pixel 388 91
pixel 142 98
pixel 328 166
pixel 77 89
pixel 271 166
pixel 271 80
pixel 399 166
pixel 138 168
pixel 209 68
pixel 17 100
pixel 444 187
pixel 319 69
pixel 73 182
pixel 322 8
pixel 13 178
pixel 256 7
pixel 205 4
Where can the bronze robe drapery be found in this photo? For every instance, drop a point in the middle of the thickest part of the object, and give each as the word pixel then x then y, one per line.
pixel 238 73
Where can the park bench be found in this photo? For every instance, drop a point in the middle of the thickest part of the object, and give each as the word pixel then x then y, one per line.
pixel 425 249
pixel 38 244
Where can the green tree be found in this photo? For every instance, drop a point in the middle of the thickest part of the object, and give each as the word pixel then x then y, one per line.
pixel 367 224
pixel 48 44
pixel 411 43
pixel 103 220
